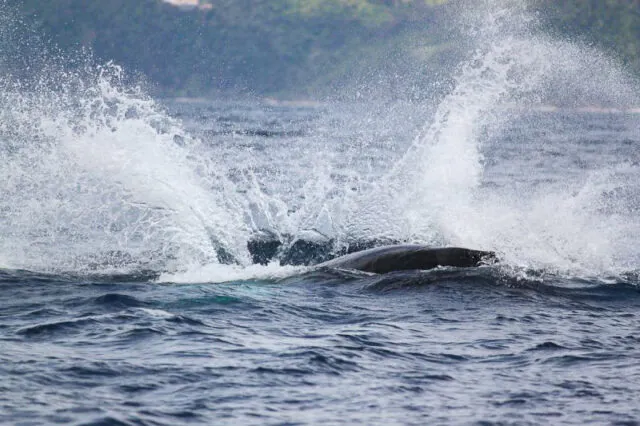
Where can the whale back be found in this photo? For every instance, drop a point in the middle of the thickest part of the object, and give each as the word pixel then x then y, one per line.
pixel 385 259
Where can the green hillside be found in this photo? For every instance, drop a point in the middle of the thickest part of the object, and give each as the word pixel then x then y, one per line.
pixel 293 46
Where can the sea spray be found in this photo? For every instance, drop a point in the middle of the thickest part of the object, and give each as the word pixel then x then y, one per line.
pixel 515 68
pixel 95 175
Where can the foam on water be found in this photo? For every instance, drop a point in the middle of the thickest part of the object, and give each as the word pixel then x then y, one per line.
pixel 219 273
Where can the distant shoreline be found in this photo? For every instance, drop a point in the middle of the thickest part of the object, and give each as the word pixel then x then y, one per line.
pixel 269 101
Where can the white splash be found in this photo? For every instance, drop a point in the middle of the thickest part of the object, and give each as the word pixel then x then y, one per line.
pixel 93 167
pixel 438 183
pixel 219 273
pixel 95 176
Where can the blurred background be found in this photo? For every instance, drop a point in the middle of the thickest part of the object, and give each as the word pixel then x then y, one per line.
pixel 298 49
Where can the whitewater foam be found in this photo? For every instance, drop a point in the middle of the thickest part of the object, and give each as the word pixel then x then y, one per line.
pixel 219 273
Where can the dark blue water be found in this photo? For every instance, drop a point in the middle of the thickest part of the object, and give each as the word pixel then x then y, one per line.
pixel 440 347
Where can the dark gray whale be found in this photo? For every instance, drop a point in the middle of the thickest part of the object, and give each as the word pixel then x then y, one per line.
pixel 385 259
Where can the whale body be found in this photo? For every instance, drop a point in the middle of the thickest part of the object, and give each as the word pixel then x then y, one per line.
pixel 381 260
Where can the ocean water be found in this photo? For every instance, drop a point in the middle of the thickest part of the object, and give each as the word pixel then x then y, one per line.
pixel 128 296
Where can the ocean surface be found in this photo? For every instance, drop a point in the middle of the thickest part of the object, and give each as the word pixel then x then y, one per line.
pixel 490 345
pixel 128 295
